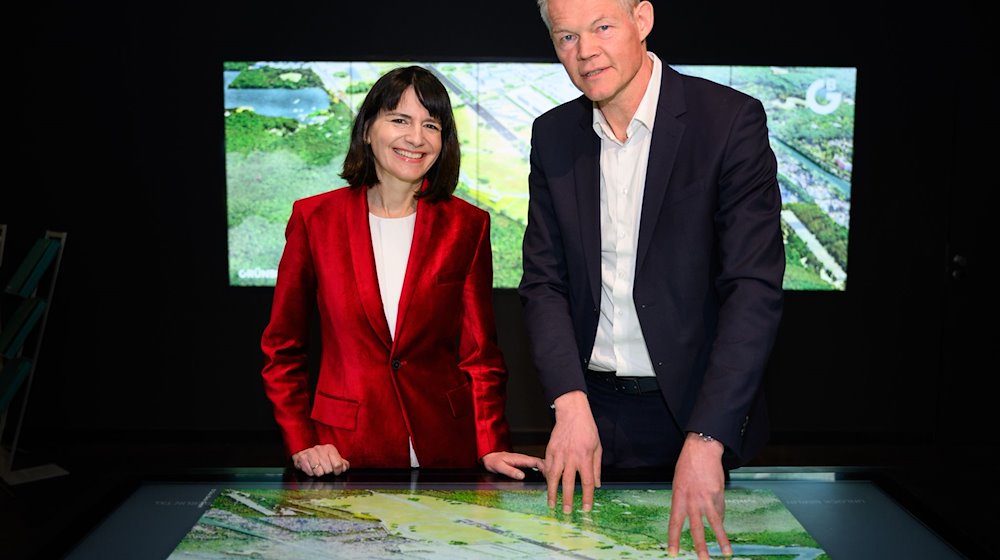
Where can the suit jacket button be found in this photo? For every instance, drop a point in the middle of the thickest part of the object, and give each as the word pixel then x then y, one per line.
pixel 396 364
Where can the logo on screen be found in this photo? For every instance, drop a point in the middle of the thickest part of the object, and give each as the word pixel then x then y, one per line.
pixel 827 88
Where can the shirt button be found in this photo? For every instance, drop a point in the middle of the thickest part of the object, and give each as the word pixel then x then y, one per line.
pixel 396 364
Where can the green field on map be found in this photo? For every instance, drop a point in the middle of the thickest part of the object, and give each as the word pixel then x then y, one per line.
pixel 474 523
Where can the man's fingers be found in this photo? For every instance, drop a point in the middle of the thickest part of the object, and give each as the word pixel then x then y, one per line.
pixel 674 534
pixel 569 485
pixel 552 477
pixel 675 525
pixel 587 484
pixel 698 536
pixel 715 521
pixel 597 466
pixel 590 478
pixel 587 497
pixel 724 545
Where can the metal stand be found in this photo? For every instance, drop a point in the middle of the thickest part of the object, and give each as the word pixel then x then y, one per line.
pixel 3 238
pixel 8 473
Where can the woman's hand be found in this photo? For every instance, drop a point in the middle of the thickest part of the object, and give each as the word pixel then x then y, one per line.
pixel 320 460
pixel 506 463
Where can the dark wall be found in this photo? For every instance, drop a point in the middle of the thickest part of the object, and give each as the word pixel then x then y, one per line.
pixel 116 137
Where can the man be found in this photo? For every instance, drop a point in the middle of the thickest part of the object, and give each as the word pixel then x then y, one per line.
pixel 653 261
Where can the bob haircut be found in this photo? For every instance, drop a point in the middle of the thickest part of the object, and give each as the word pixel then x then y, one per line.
pixel 359 164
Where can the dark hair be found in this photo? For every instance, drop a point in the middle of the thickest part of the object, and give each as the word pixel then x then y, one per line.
pixel 359 165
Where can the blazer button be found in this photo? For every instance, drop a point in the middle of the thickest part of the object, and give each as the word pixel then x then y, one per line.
pixel 396 364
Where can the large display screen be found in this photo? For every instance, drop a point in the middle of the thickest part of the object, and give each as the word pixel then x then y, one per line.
pixel 270 513
pixel 287 129
pixel 283 523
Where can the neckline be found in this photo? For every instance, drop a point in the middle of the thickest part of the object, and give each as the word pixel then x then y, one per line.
pixel 395 219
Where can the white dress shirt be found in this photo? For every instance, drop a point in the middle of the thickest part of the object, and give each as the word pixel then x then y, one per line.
pixel 619 345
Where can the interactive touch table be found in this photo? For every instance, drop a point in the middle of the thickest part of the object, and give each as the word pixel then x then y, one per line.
pixel 261 513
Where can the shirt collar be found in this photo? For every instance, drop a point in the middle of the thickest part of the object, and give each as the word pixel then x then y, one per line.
pixel 645 114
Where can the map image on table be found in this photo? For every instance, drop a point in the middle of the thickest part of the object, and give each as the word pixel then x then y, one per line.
pixel 265 523
pixel 287 128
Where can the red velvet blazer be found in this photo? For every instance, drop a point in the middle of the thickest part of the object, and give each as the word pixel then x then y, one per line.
pixel 440 380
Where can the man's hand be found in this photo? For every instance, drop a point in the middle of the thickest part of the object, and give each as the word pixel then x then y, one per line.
pixel 698 491
pixel 510 464
pixel 574 447
pixel 320 460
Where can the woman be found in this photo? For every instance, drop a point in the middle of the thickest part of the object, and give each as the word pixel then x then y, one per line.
pixel 401 274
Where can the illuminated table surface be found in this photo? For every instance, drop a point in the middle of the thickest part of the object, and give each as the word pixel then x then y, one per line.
pixel 275 513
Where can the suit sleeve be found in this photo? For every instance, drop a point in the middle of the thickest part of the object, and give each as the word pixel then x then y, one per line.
pixel 749 282
pixel 480 357
pixel 544 290
pixel 285 339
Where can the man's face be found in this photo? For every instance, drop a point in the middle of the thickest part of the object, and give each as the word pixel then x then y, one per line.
pixel 600 45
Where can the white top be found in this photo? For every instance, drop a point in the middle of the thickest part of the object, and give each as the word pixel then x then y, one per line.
pixel 619 345
pixel 391 240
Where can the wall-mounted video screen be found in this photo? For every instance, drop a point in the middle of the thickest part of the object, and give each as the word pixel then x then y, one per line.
pixel 287 129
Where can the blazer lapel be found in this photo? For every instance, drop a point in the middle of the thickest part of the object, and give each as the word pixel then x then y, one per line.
pixel 428 218
pixel 667 134
pixel 363 259
pixel 588 198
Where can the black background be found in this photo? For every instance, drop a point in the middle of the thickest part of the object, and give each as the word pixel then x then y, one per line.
pixel 114 134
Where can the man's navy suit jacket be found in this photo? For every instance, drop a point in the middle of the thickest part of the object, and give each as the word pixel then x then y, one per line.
pixel 709 262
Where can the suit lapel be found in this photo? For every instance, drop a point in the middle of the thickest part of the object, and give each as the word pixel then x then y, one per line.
pixel 428 218
pixel 667 134
pixel 588 198
pixel 363 261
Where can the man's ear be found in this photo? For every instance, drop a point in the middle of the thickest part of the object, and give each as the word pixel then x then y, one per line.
pixel 644 18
